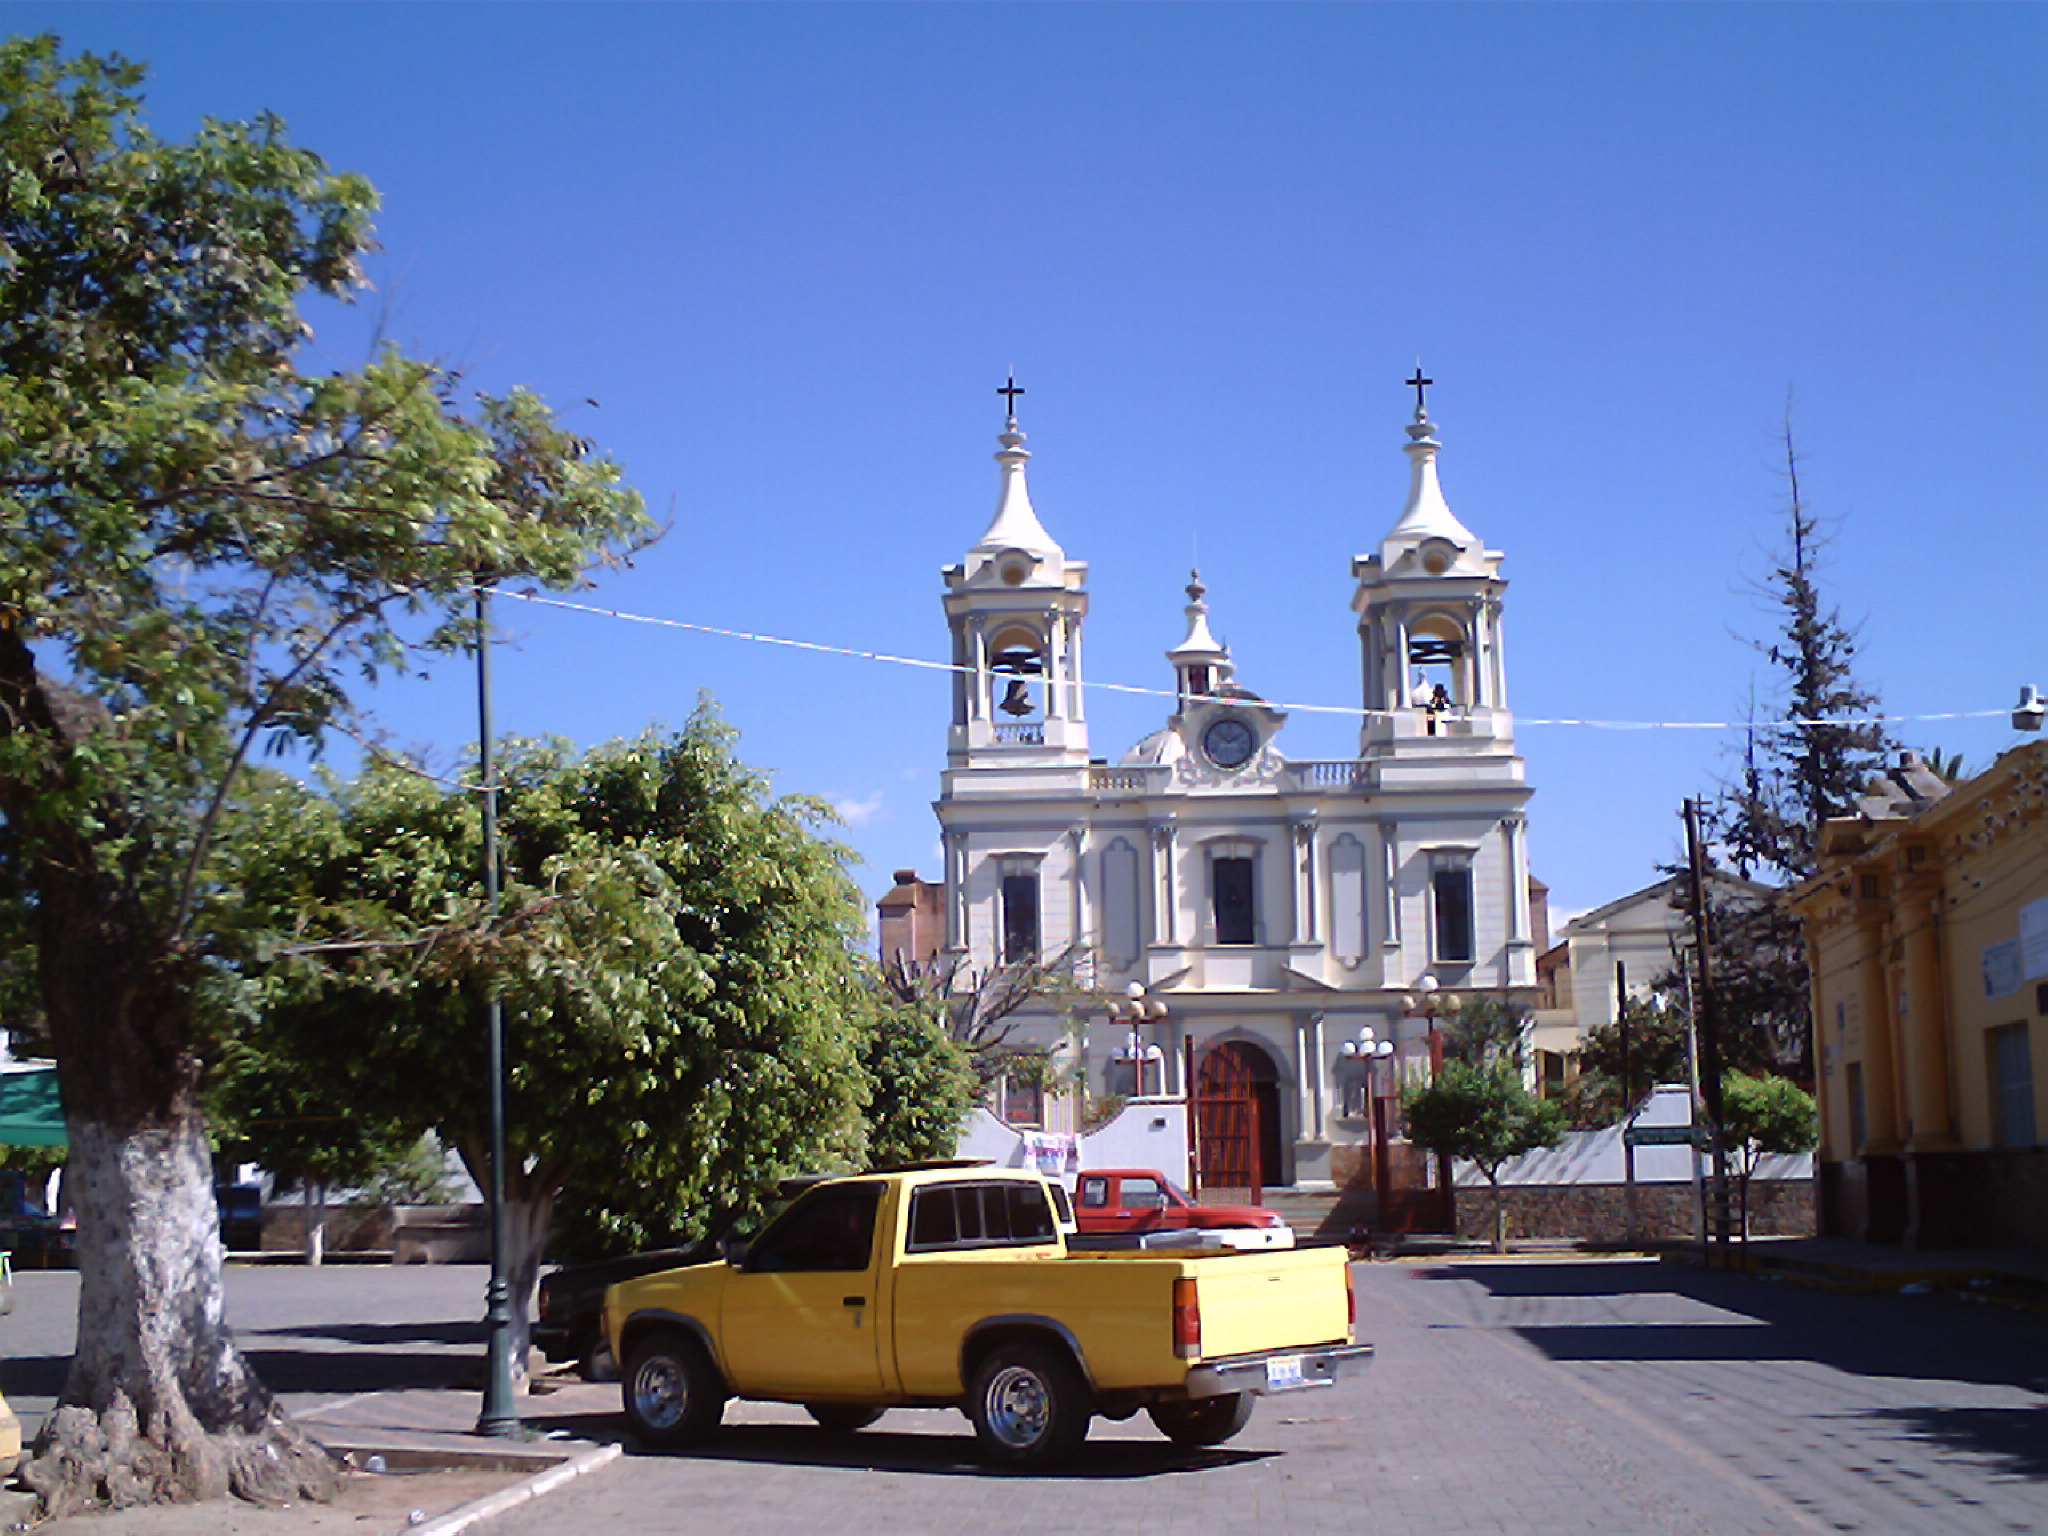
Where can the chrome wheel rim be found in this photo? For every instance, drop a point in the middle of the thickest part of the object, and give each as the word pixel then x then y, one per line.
pixel 660 1392
pixel 1019 1407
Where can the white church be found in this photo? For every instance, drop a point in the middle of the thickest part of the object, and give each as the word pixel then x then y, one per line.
pixel 1282 929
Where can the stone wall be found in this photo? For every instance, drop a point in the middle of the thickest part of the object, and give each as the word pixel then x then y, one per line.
pixel 1597 1213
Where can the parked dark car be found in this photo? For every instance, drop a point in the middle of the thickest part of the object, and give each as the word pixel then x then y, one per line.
pixel 241 1216
pixel 570 1303
pixel 33 1238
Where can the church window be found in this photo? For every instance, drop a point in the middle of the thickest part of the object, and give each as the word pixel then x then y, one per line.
pixel 1020 918
pixel 1451 911
pixel 1231 895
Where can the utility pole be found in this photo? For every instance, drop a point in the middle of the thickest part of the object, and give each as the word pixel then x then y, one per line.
pixel 1708 1015
pixel 1630 1223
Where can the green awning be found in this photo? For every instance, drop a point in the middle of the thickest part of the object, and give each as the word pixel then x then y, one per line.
pixel 31 1113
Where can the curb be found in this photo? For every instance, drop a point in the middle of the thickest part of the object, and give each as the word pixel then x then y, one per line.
pixel 519 1493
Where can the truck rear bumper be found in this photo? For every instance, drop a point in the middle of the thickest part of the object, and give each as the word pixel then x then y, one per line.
pixel 1292 1371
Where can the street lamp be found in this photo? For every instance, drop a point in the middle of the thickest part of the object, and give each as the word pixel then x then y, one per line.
pixel 1134 1008
pixel 1423 1003
pixel 1369 1050
pixel 500 1415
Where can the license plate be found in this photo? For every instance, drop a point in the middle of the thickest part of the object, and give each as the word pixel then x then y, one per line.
pixel 1283 1372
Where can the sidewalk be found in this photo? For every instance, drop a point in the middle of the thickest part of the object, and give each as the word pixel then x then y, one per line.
pixel 1997 1275
pixel 421 1468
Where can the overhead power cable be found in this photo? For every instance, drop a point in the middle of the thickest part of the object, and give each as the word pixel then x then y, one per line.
pixel 1353 710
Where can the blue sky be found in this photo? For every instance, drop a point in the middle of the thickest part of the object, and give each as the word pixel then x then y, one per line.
pixel 793 249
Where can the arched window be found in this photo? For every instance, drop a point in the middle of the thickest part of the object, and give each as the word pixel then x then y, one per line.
pixel 1439 663
pixel 1017 666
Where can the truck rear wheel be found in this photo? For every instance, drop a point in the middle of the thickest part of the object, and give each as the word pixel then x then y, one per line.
pixel 1202 1420
pixel 673 1393
pixel 1030 1406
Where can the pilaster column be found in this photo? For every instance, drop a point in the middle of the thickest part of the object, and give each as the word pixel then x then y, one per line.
pixel 1307 924
pixel 956 890
pixel 1055 665
pixel 1880 1042
pixel 1313 1075
pixel 1082 932
pixel 1923 1027
pixel 1165 887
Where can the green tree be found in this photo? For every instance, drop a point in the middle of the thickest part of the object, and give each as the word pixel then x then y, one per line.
pixel 1486 1032
pixel 1485 1116
pixel 979 1008
pixel 1762 1116
pixel 687 1017
pixel 1809 758
pixel 921 1083
pixel 1658 1050
pixel 207 547
pixel 1815 753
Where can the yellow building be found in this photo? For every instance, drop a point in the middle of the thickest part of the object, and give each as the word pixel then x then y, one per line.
pixel 1927 931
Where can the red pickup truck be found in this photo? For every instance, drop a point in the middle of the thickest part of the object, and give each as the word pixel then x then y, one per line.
pixel 1117 1202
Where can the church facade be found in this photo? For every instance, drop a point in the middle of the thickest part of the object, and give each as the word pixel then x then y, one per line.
pixel 1269 936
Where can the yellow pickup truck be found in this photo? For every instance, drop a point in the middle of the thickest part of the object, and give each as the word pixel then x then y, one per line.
pixel 953 1286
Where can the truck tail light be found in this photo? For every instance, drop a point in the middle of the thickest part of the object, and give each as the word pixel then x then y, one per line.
pixel 1187 1321
pixel 1350 1304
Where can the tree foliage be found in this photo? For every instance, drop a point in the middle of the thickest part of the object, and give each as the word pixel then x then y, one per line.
pixel 1485 1032
pixel 978 1008
pixel 687 1018
pixel 208 546
pixel 1763 1116
pixel 1811 758
pixel 1484 1115
pixel 1614 1081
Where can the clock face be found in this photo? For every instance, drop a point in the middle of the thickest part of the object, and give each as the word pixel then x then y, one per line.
pixel 1229 743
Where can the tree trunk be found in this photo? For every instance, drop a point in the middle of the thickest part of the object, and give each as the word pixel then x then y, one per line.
pixel 314 1197
pixel 159 1406
pixel 529 1217
pixel 526 1233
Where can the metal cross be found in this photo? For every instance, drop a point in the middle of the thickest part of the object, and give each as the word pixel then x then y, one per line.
pixel 1010 392
pixel 1419 383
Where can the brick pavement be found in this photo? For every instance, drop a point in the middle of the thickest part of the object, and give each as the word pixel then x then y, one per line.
pixel 1533 1398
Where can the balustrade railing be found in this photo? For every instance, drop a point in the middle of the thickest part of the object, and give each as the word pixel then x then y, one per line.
pixel 1342 773
pixel 1030 734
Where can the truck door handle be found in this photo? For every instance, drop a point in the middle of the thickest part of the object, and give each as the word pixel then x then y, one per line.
pixel 854 1301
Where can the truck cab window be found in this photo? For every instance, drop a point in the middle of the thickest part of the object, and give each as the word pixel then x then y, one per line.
pixel 978 1216
pixel 830 1229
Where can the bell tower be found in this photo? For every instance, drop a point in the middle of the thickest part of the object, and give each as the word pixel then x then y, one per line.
pixel 1015 607
pixel 1429 623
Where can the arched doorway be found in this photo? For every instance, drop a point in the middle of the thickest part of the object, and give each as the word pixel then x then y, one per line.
pixel 1237 1118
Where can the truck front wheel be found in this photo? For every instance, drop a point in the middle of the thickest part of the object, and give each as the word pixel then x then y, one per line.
pixel 672 1391
pixel 1203 1420
pixel 1030 1406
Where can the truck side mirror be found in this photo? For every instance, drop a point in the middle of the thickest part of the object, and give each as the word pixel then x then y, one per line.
pixel 734 1251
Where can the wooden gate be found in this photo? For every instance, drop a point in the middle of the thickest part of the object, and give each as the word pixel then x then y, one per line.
pixel 1237 1119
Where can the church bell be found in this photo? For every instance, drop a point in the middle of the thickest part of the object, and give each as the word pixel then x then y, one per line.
pixel 1016 698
